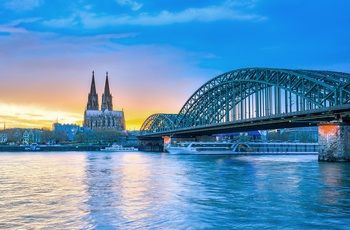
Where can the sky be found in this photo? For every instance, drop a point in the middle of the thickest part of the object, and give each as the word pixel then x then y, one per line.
pixel 157 53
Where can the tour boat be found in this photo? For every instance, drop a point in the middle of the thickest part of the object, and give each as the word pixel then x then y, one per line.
pixel 32 147
pixel 119 148
pixel 270 148
pixel 200 148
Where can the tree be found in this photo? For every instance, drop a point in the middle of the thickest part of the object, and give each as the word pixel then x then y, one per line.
pixel 81 137
pixel 106 135
pixel 46 136
pixel 14 135
pixel 60 136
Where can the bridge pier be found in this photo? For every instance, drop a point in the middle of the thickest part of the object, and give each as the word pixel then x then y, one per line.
pixel 334 141
pixel 151 145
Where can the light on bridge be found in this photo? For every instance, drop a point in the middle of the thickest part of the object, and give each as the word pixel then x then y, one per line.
pixel 328 129
pixel 166 139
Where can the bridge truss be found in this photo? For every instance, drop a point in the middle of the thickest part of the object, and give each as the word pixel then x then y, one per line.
pixel 257 94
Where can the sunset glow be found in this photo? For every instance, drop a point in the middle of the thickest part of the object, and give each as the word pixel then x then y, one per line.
pixel 157 54
pixel 27 116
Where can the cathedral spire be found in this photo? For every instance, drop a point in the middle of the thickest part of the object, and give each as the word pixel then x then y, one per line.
pixel 107 97
pixel 107 92
pixel 93 97
pixel 93 86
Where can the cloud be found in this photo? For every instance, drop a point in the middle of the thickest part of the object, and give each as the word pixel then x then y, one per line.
pixel 134 5
pixel 240 3
pixel 51 64
pixel 207 14
pixel 38 116
pixel 14 26
pixel 192 14
pixel 62 22
pixel 10 29
pixel 22 5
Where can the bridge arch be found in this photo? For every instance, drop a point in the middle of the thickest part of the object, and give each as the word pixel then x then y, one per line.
pixel 256 93
pixel 158 122
pixel 260 92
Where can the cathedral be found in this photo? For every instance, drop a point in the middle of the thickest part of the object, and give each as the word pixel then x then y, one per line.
pixel 106 118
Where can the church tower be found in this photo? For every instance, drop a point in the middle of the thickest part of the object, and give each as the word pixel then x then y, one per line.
pixel 93 97
pixel 106 118
pixel 107 97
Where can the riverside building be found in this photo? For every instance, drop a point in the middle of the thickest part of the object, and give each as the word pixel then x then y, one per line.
pixel 106 117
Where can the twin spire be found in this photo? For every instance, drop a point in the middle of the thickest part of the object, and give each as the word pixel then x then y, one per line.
pixel 93 96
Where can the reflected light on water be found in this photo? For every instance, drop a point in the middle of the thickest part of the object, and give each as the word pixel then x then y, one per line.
pixel 336 179
pixel 135 188
pixel 128 189
pixel 39 188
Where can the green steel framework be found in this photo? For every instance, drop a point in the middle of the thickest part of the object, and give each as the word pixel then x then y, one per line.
pixel 256 93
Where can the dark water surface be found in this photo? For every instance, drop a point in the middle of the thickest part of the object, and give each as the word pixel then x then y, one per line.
pixel 96 190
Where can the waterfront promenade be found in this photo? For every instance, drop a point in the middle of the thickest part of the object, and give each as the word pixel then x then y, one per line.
pixel 43 148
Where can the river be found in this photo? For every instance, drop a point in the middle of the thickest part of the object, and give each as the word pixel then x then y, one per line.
pixel 138 190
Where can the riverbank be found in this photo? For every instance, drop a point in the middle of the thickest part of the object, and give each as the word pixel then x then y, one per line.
pixel 48 148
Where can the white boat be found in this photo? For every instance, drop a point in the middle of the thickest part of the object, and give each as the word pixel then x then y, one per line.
pixel 276 148
pixel 200 148
pixel 119 148
pixel 254 148
pixel 32 147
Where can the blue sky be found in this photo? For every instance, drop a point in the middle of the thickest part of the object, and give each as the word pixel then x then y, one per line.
pixel 157 53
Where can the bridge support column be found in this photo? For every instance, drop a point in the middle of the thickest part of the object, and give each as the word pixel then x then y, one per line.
pixel 151 145
pixel 334 141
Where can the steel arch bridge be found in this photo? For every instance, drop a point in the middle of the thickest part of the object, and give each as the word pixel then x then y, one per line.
pixel 251 98
pixel 159 122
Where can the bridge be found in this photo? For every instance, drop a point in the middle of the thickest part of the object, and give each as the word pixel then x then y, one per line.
pixel 257 99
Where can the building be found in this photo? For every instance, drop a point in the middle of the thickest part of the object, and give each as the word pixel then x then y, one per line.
pixel 69 129
pixel 106 118
pixel 3 137
pixel 31 136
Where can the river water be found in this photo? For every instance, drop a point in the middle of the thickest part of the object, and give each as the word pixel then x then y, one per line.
pixel 138 190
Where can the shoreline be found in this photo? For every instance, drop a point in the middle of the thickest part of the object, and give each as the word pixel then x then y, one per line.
pixel 49 148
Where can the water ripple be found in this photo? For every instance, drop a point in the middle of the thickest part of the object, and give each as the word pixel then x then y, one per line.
pixel 92 190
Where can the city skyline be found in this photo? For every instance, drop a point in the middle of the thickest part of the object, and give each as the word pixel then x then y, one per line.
pixel 157 54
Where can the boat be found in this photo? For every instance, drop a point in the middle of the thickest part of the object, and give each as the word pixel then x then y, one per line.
pixel 32 147
pixel 249 148
pixel 200 148
pixel 277 148
pixel 119 148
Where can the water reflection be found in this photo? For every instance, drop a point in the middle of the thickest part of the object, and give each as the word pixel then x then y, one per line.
pixel 127 189
pixel 151 190
pixel 100 204
pixel 135 189
pixel 96 190
pixel 335 191
pixel 40 191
